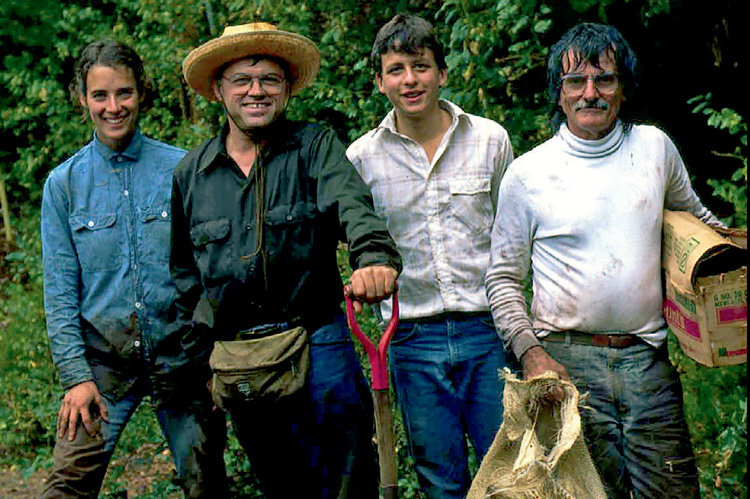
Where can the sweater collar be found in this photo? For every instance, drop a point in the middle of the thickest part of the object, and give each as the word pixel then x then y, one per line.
pixel 592 148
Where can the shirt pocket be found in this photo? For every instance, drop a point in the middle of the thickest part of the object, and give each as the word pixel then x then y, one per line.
pixel 212 252
pixel 155 229
pixel 210 232
pixel 97 241
pixel 292 226
pixel 471 204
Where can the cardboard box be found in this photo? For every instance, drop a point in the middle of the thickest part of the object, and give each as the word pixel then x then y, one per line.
pixel 706 289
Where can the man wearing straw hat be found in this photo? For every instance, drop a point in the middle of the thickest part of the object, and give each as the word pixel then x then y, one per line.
pixel 257 215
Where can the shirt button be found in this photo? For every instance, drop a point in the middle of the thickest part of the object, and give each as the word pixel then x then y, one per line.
pixel 137 304
pixel 136 343
pixel 248 227
pixel 164 214
pixel 91 223
pixel 288 217
pixel 126 193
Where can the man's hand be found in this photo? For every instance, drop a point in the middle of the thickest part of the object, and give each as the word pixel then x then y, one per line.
pixel 536 361
pixel 78 401
pixel 372 284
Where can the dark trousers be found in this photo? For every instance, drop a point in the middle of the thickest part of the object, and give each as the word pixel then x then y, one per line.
pixel 318 442
pixel 195 434
pixel 634 425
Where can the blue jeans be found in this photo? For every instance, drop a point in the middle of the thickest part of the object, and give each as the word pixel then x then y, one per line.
pixel 195 435
pixel 318 442
pixel 634 425
pixel 446 374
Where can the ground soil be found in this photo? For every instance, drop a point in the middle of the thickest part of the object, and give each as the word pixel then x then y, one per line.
pixel 135 472
pixel 13 486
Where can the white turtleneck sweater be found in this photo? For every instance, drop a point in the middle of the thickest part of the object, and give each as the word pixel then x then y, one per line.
pixel 586 218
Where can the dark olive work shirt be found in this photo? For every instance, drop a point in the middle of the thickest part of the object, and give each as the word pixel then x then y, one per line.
pixel 313 199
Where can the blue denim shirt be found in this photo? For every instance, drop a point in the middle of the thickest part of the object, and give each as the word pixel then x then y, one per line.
pixel 105 241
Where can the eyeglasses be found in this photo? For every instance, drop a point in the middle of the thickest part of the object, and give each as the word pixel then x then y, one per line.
pixel 574 84
pixel 271 84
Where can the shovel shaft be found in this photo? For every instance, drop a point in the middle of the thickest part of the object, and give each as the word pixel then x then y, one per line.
pixel 386 444
pixel 390 492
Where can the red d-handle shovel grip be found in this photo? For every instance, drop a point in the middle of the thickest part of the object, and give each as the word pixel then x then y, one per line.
pixel 378 356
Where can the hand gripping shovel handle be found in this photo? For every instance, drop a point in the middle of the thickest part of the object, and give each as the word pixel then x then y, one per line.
pixel 378 358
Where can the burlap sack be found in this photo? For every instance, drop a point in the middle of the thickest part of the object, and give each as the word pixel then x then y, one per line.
pixel 539 452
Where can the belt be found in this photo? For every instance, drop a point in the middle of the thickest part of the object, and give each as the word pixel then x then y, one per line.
pixel 271 328
pixel 263 330
pixel 444 316
pixel 595 340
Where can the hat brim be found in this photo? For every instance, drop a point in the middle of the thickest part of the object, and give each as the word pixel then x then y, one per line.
pixel 200 66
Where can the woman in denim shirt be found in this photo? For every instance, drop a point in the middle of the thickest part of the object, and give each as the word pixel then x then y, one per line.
pixel 107 290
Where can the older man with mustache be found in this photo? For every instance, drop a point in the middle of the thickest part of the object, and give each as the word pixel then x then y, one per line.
pixel 583 213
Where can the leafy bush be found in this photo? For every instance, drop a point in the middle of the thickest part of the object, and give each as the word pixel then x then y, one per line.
pixel 734 189
pixel 26 378
pixel 716 412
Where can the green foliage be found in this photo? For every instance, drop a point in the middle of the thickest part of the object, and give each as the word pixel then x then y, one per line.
pixel 734 189
pixel 498 63
pixel 716 412
pixel 26 378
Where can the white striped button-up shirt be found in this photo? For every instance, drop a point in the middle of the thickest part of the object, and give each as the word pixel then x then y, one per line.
pixel 439 212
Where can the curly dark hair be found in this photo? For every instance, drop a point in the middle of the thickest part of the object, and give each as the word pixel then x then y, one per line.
pixel 112 54
pixel 406 33
pixel 586 42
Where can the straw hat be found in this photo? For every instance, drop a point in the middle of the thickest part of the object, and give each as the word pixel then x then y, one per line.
pixel 236 42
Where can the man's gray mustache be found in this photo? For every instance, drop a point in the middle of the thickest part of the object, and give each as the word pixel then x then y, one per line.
pixel 597 104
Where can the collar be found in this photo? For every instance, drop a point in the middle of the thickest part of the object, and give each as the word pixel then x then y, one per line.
pixel 131 153
pixel 593 148
pixel 215 147
pixel 457 114
pixel 281 135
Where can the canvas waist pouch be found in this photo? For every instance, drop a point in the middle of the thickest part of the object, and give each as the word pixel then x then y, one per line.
pixel 260 369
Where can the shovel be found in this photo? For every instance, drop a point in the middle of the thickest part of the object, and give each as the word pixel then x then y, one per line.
pixel 378 357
